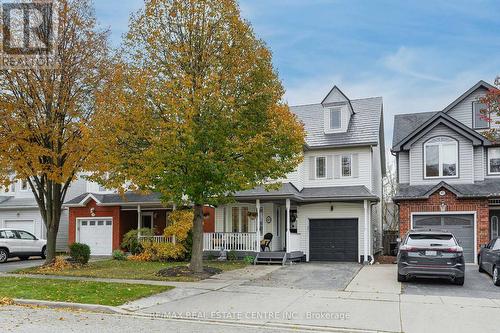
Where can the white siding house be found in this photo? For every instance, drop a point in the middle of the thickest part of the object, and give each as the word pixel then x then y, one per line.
pixel 329 207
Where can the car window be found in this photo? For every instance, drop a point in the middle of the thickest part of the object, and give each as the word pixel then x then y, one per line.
pixel 496 246
pixel 9 234
pixel 25 235
pixel 430 240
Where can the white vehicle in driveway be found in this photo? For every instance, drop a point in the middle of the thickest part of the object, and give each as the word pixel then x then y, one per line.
pixel 21 244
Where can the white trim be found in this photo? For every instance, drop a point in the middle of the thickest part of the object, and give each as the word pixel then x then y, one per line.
pixel 440 157
pixel 453 213
pixel 21 186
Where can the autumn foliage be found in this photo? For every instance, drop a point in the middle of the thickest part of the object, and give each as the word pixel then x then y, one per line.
pixel 492 111
pixel 198 108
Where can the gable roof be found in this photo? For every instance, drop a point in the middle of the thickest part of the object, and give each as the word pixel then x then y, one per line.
pixel 364 126
pixel 481 189
pixel 337 90
pixel 480 84
pixel 114 199
pixel 11 202
pixel 436 119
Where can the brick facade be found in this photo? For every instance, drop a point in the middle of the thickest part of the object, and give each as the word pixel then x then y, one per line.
pixel 453 204
pixel 99 211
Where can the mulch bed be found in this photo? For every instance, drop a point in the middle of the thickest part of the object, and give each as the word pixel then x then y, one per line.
pixel 385 259
pixel 184 271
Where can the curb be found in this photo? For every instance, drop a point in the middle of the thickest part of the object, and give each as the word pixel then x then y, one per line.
pixel 74 306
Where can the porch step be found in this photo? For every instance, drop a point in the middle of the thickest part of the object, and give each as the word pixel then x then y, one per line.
pixel 277 257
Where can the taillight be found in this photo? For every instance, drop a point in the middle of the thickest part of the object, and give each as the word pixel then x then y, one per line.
pixel 455 249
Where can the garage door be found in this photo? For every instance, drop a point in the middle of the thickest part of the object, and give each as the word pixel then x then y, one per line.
pixel 462 226
pixel 333 240
pixel 97 234
pixel 26 225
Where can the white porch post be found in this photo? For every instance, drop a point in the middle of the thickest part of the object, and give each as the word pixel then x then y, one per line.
pixel 366 232
pixel 287 225
pixel 257 224
pixel 139 221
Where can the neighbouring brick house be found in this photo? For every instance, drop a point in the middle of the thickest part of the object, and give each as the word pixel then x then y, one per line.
pixel 448 172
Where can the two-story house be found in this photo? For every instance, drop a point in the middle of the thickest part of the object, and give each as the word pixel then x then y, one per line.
pixel 448 173
pixel 329 207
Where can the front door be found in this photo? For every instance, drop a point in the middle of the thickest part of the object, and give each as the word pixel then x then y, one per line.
pixel 494 218
pixel 147 220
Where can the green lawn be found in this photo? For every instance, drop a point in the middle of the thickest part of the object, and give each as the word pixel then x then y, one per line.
pixel 75 291
pixel 124 269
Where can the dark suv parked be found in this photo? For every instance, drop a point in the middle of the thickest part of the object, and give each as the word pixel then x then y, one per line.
pixel 431 254
pixel 489 260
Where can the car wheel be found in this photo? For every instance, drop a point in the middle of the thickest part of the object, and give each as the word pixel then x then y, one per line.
pixel 44 252
pixel 4 255
pixel 401 278
pixel 481 269
pixel 496 276
pixel 24 258
pixel 459 281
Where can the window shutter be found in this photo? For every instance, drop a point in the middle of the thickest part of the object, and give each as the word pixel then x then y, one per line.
pixel 355 165
pixel 329 167
pixel 312 168
pixel 336 167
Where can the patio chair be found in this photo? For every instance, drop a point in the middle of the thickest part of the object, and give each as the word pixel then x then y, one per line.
pixel 266 242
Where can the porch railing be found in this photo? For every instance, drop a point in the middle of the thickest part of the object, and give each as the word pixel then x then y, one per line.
pixel 157 239
pixel 230 241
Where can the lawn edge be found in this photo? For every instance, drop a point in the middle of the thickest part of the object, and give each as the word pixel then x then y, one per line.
pixel 109 309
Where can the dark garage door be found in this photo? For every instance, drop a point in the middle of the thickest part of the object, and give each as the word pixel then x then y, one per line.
pixel 462 226
pixel 333 240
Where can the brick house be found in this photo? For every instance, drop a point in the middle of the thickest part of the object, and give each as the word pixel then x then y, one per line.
pixel 448 172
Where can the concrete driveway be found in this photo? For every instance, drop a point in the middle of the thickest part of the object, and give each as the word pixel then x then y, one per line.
pixel 15 264
pixel 317 276
pixel 476 285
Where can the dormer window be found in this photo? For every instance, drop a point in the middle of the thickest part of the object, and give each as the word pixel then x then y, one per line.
pixel 441 158
pixel 335 118
pixel 478 117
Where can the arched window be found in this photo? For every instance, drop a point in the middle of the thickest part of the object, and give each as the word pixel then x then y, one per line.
pixel 441 158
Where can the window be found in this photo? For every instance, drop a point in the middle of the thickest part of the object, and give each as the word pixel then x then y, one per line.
pixel 494 161
pixel 92 223
pixel 335 118
pixel 108 222
pixel 293 221
pixel 494 226
pixel 261 220
pixel 496 246
pixel 101 223
pixel 244 219
pixel 25 235
pixel 7 234
pixel 479 120
pixel 235 218
pixel 346 166
pixel 84 223
pixel 278 221
pixel 24 185
pixel 320 167
pixel 441 158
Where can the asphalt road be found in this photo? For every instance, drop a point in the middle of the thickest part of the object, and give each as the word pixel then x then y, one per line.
pixel 476 285
pixel 14 264
pixel 28 320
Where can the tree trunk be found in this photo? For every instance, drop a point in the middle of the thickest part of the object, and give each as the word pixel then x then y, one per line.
pixel 51 245
pixel 50 209
pixel 196 264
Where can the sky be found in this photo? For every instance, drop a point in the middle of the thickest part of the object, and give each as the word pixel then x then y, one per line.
pixel 418 55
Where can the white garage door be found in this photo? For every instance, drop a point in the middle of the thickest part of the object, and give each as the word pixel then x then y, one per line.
pixel 97 234
pixel 26 225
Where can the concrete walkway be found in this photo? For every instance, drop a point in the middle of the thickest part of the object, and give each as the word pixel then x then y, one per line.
pixel 376 279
